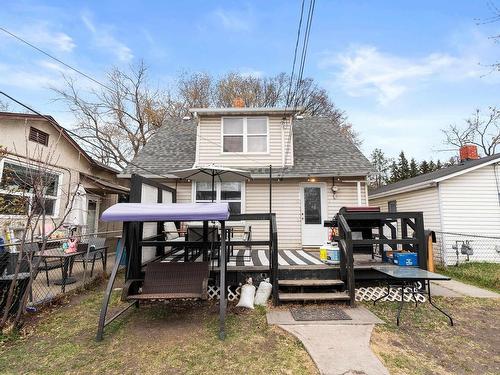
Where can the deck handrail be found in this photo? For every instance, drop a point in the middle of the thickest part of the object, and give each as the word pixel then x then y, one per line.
pixel 346 257
pixel 273 264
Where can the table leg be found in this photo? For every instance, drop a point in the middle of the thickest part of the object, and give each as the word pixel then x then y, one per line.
pixel 436 307
pixel 385 295
pixel 64 274
pixel 205 241
pixel 401 302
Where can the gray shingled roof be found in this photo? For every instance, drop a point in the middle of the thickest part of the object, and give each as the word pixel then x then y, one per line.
pixel 318 150
pixel 431 176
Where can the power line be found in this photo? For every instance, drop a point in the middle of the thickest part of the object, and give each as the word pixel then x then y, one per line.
pixel 100 148
pixel 55 58
pixel 53 122
pixel 298 83
pixel 106 87
pixel 295 56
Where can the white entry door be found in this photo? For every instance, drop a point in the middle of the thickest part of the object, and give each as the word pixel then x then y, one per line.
pixel 313 200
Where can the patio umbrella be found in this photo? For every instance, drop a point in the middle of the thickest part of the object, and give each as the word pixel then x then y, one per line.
pixel 212 173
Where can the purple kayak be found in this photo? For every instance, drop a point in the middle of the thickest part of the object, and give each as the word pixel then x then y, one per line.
pixel 166 212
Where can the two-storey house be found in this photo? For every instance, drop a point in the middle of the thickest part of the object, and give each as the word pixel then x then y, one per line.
pixel 315 169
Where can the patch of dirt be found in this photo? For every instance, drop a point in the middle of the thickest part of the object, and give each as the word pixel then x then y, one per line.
pixel 471 346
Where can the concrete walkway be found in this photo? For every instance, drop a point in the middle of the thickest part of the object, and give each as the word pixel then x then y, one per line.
pixel 337 347
pixel 453 288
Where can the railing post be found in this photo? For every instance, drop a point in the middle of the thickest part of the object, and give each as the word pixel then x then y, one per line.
pixel 274 260
pixel 350 269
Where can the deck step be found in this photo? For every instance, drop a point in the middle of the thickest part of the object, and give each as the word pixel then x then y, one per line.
pixel 310 282
pixel 338 296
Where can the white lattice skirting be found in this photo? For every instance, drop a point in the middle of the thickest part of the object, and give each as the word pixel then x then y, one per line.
pixel 373 292
pixel 362 294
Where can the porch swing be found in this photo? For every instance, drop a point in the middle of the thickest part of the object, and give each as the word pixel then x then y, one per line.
pixel 164 280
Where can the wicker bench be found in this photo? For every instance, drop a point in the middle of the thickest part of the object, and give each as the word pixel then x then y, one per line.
pixel 164 280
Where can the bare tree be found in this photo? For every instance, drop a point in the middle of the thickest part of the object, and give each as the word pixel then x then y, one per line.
pixel 118 120
pixel 493 18
pixel 4 106
pixel 203 90
pixel 480 130
pixel 30 183
pixel 117 123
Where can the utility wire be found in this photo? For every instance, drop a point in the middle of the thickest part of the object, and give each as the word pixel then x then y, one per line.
pixel 55 58
pixel 98 147
pixel 53 122
pixel 106 87
pixel 305 43
pixel 295 56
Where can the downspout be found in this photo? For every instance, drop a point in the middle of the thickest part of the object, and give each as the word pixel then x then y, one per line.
pixel 441 224
pixel 283 144
pixel 366 191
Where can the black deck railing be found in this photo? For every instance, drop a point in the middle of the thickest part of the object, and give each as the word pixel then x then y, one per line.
pixel 346 258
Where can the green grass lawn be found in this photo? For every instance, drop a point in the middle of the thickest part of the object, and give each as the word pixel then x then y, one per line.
pixel 178 338
pixel 482 274
pixel 425 343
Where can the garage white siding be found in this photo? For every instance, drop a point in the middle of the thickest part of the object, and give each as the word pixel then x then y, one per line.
pixel 470 205
pixel 425 200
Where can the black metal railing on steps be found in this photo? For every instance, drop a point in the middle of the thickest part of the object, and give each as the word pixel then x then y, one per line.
pixel 346 258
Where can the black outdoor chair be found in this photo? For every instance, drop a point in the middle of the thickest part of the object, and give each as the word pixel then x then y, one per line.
pixel 46 264
pixel 96 249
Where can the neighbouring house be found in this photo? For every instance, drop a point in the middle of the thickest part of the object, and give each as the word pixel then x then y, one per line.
pixel 28 139
pixel 460 203
pixel 316 170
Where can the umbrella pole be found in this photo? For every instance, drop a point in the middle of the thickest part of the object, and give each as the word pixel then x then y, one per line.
pixel 213 186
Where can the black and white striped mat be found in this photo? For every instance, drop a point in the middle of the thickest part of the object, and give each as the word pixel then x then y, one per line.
pixel 257 258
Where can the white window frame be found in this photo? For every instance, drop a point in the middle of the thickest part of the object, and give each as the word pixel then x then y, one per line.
pixel 218 195
pixel 245 135
pixel 57 197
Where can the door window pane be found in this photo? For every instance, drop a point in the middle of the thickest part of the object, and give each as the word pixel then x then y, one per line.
pixel 256 125
pixel 257 143
pixel 233 143
pixel 204 191
pixel 312 205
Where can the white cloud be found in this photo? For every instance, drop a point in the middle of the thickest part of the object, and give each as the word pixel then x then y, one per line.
pixel 42 35
pixel 366 71
pixel 103 38
pixel 233 20
pixel 249 72
pixel 26 78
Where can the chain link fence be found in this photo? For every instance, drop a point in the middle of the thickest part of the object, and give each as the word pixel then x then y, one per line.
pixel 457 248
pixel 63 266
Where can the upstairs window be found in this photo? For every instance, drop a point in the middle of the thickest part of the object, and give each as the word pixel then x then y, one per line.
pixel 245 134
pixel 38 136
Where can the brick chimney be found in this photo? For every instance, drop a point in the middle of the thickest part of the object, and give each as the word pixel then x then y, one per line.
pixel 468 152
pixel 238 103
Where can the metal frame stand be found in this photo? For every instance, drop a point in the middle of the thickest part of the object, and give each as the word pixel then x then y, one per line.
pixel 405 283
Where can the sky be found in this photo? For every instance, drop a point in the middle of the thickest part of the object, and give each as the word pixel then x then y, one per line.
pixel 400 70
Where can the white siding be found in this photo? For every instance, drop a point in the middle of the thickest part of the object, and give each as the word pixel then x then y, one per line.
pixel 425 200
pixel 470 205
pixel 210 152
pixel 286 205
